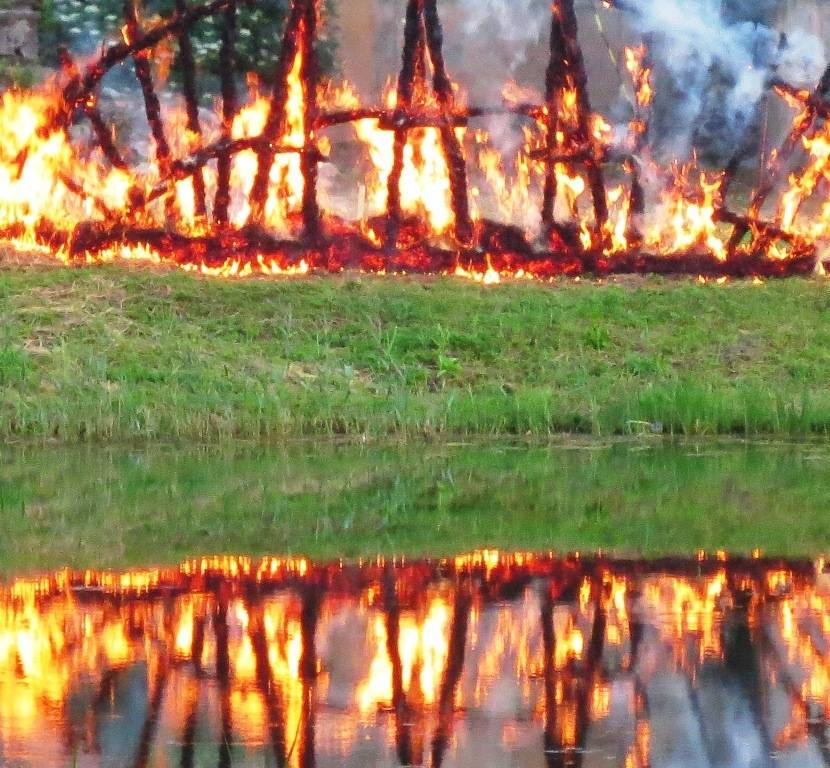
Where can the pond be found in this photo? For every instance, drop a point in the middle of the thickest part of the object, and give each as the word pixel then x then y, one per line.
pixel 621 604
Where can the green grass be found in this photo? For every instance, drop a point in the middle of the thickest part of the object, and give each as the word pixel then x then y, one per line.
pixel 115 354
pixel 98 507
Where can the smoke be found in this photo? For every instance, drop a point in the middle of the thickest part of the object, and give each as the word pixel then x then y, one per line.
pixel 504 33
pixel 714 59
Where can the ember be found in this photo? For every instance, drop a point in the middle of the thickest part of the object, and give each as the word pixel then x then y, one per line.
pixel 241 193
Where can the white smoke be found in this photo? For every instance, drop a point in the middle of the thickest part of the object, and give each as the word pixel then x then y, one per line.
pixel 714 58
pixel 495 41
pixel 719 57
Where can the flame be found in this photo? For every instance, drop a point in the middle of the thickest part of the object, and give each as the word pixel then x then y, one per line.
pixel 56 186
pixel 286 180
pixel 425 180
pixel 635 57
pixel 690 207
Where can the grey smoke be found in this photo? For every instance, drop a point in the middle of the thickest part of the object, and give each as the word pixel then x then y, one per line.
pixel 714 59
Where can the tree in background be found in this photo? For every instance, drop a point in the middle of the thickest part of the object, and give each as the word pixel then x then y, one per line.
pixel 82 26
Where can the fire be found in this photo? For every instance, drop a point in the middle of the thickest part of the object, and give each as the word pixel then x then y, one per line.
pixel 635 63
pixel 436 191
pixel 804 185
pixel 690 207
pixel 424 181
pixel 286 181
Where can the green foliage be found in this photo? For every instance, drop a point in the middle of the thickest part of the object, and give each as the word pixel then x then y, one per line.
pixel 101 507
pixel 16 73
pixel 112 354
pixel 82 24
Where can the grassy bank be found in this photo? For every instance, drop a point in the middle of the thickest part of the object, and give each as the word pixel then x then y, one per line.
pixel 113 354
pixel 87 506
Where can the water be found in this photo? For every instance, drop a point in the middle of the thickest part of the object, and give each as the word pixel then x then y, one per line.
pixel 116 507
pixel 650 654
pixel 505 660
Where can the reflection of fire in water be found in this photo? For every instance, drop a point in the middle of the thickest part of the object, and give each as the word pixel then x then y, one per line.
pixel 285 658
pixel 422 646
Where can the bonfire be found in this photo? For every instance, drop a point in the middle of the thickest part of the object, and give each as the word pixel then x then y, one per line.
pixel 240 193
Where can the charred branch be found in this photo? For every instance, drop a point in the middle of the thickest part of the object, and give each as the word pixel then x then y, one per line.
pixel 80 191
pixel 152 106
pixel 103 134
pixel 223 148
pixel 310 74
pixel 227 57
pixel 191 98
pixel 554 85
pixel 275 122
pixel 413 36
pixel 79 91
pixel 452 146
pixel 791 143
pixel 394 119
pixel 768 230
pixel 576 74
pixel 89 107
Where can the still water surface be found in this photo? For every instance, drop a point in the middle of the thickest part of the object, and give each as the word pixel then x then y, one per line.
pixel 122 507
pixel 653 654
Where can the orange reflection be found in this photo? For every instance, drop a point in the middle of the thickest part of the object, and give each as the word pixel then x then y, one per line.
pixel 222 645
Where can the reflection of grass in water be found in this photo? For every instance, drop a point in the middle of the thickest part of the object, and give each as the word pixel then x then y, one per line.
pixel 117 354
pixel 94 507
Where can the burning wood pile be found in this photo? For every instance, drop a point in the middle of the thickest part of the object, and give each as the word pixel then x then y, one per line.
pixel 241 191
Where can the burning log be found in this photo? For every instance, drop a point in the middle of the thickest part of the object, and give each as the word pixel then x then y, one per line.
pixel 767 229
pixel 452 147
pixel 223 166
pixel 554 85
pixel 93 237
pixel 104 136
pixel 789 146
pixel 223 148
pixel 814 102
pixel 567 69
pixel 274 125
pixel 393 120
pixel 92 113
pixel 413 51
pixel 779 160
pixel 309 74
pixel 152 106
pixel 78 189
pixel 191 98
